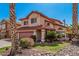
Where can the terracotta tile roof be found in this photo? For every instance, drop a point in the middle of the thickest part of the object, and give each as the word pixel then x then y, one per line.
pixel 34 27
pixel 23 19
pixel 56 20
pixel 61 25
pixel 24 31
pixel 29 27
pixel 18 24
pixel 50 19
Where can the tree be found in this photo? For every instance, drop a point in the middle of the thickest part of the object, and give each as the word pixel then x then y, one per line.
pixel 71 26
pixel 51 36
pixel 13 29
pixel 75 19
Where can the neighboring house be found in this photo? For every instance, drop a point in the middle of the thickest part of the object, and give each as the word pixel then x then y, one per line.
pixel 38 24
pixel 5 28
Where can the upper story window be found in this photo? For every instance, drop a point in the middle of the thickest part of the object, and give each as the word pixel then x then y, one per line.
pixel 33 20
pixel 3 26
pixel 48 24
pixel 25 22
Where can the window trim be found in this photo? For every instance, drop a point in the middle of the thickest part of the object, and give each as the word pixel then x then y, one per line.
pixel 33 20
pixel 25 22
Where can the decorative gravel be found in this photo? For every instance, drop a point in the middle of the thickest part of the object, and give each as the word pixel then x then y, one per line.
pixel 71 50
pixel 33 52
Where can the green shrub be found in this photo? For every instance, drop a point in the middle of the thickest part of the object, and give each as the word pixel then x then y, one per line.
pixel 60 35
pixel 26 43
pixel 51 35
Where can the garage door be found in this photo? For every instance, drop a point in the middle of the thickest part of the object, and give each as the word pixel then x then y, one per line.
pixel 25 34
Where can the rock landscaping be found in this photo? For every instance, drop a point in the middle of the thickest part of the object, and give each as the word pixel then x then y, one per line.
pixel 70 50
pixel 67 50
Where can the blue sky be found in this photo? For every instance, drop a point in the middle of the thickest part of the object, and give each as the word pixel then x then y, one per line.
pixel 52 10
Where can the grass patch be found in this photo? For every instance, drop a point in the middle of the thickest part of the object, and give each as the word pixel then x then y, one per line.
pixel 51 48
pixel 4 49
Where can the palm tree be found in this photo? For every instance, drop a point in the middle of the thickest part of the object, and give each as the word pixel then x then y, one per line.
pixel 75 19
pixel 13 29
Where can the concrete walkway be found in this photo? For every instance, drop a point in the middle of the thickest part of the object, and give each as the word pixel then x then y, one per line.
pixel 5 43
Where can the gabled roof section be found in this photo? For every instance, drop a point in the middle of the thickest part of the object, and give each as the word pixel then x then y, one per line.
pixel 56 20
pixel 49 19
pixel 23 19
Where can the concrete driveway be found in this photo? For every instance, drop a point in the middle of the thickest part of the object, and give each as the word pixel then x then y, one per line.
pixel 5 43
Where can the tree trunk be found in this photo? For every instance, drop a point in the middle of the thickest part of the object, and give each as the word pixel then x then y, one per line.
pixel 13 30
pixel 75 19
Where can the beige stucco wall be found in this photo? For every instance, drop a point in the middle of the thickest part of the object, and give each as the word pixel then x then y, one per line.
pixel 51 25
pixel 22 22
pixel 40 20
pixel 57 27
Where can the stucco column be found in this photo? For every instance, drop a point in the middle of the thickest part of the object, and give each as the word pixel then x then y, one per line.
pixel 35 34
pixel 42 35
pixel 18 37
pixel 65 32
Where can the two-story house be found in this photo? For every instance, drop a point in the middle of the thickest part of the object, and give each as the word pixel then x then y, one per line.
pixel 37 24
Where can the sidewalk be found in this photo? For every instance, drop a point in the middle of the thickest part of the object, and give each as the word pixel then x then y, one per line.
pixel 4 43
